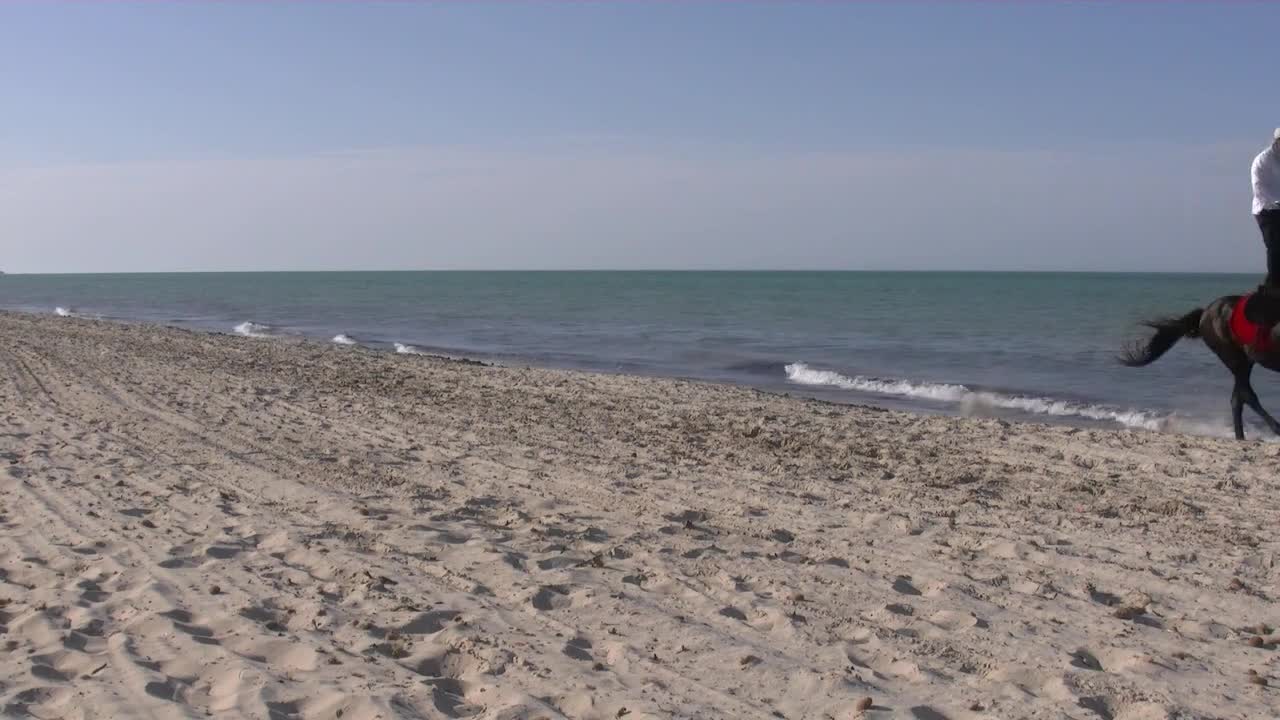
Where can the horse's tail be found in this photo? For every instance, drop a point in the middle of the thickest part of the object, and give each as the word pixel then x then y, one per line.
pixel 1168 331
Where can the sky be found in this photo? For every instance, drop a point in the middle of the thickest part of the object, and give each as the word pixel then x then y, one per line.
pixel 160 136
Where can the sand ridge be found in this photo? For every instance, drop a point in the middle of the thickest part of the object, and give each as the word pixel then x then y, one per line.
pixel 196 525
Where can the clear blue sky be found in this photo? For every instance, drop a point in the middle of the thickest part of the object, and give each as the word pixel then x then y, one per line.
pixel 190 136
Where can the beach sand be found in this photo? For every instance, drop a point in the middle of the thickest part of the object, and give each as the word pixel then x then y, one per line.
pixel 195 525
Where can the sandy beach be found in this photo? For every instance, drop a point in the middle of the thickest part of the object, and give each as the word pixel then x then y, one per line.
pixel 213 526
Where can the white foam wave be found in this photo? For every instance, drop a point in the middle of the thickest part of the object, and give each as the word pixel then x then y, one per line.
pixel 344 339
pixel 975 402
pixel 248 328
pixel 63 312
pixel 403 349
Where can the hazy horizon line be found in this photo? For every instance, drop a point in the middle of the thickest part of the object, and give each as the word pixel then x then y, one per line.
pixel 904 271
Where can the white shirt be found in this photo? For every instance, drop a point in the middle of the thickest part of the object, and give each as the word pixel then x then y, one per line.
pixel 1266 181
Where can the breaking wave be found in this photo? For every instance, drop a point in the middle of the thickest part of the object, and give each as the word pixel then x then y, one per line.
pixel 972 401
pixel 248 328
pixel 344 339
pixel 61 311
pixel 403 349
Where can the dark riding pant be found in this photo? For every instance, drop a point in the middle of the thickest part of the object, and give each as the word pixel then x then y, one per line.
pixel 1269 224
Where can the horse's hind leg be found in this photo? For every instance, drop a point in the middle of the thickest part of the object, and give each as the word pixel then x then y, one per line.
pixel 1241 368
pixel 1214 331
pixel 1244 391
pixel 1237 410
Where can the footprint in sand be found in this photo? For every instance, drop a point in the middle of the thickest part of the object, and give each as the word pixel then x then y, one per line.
pixel 91 593
pixel 276 653
pixel 954 621
pixel 219 691
pixel 272 615
pixel 453 664
pixel 900 668
pixel 450 697
pixel 183 557
pixel 185 622
pixel 561 561
pixel 696 553
pixel 579 648
pixel 170 689
pixel 63 665
pixel 89 638
pixel 429 623
pixel 902 584
pixel 328 705
pixel 1083 658
pixel 39 702
pixel 551 597
pixel 223 552
pixel 794 558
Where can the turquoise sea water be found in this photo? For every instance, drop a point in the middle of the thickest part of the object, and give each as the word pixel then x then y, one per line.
pixel 1021 345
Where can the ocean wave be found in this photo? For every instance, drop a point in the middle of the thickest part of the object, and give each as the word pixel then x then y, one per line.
pixel 976 401
pixel 248 328
pixel 344 339
pixel 403 349
pixel 64 312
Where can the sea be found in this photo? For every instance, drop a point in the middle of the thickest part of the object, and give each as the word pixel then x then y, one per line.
pixel 1036 347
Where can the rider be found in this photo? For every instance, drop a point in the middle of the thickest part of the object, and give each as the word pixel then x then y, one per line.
pixel 1266 210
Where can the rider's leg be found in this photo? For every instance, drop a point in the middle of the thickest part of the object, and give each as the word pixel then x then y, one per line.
pixel 1269 224
pixel 1264 308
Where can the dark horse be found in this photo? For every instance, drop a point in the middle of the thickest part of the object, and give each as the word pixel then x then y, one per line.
pixel 1213 325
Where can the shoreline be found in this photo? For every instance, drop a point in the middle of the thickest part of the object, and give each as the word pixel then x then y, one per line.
pixel 506 360
pixel 200 524
pixel 1024 407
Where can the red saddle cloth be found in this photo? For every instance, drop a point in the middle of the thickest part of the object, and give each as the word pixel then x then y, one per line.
pixel 1249 333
